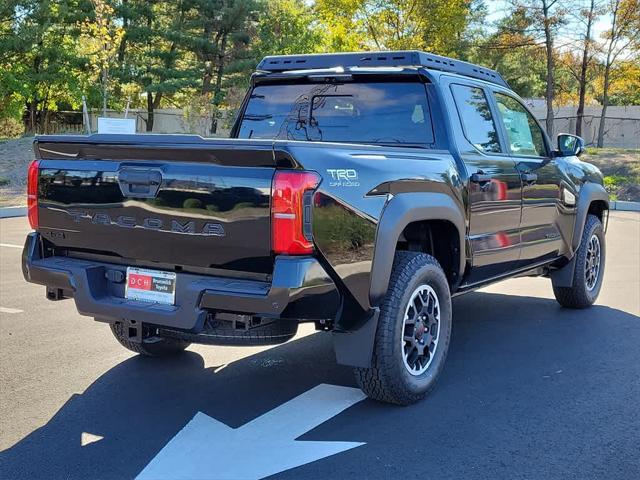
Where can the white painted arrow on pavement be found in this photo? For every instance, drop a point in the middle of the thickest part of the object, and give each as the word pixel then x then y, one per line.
pixel 208 449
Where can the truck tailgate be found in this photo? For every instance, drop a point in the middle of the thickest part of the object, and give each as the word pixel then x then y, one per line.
pixel 179 201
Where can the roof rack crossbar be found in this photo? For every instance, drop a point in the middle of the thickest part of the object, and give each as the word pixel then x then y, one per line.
pixel 408 58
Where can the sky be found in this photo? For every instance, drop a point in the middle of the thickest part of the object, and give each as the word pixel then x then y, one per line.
pixel 498 8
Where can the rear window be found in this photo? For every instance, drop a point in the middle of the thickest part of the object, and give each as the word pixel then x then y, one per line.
pixel 385 113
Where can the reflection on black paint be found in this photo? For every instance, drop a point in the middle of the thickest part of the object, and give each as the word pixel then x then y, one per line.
pixel 347 240
pixel 94 187
pixel 220 218
pixel 391 113
pixel 476 117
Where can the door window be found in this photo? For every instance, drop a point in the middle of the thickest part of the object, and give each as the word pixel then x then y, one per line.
pixel 523 132
pixel 475 114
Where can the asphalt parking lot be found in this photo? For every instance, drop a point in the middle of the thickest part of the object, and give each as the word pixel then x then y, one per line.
pixel 530 390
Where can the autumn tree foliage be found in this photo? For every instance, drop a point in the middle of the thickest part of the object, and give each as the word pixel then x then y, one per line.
pixel 198 54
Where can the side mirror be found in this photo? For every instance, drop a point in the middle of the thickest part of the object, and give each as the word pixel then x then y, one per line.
pixel 569 145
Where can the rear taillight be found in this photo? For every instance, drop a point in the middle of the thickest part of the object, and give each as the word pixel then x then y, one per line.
pixel 291 204
pixel 32 193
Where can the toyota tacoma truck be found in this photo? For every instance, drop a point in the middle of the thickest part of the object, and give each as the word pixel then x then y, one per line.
pixel 359 192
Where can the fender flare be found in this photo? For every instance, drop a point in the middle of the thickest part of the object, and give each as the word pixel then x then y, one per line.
pixel 589 193
pixel 399 212
pixel 355 347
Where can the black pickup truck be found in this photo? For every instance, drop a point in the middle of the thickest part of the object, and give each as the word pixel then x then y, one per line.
pixel 359 191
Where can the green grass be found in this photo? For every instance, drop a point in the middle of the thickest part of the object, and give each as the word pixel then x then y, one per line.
pixel 621 170
pixel 615 183
pixel 614 150
pixel 612 183
pixel 615 180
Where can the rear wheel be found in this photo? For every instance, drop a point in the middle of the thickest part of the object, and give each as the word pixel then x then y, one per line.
pixel 589 270
pixel 151 346
pixel 414 330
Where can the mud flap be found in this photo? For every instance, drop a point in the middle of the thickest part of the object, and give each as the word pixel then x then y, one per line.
pixel 563 277
pixel 355 347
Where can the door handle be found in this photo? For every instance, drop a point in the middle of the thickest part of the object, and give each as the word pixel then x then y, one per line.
pixel 138 183
pixel 480 177
pixel 529 177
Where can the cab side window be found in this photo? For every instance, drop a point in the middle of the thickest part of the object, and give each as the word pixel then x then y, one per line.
pixel 475 114
pixel 524 135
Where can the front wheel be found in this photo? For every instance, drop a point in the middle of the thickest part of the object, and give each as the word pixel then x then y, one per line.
pixel 589 269
pixel 414 330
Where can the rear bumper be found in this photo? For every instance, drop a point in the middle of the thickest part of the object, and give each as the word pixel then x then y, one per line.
pixel 300 289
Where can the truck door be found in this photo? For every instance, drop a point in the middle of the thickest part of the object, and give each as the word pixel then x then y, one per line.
pixel 542 212
pixel 494 185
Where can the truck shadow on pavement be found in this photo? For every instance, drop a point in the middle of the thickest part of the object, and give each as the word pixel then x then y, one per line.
pixel 521 371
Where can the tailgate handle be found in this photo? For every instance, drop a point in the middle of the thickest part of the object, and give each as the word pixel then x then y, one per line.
pixel 139 183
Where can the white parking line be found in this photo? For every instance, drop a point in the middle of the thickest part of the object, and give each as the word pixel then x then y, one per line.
pixel 10 245
pixel 10 310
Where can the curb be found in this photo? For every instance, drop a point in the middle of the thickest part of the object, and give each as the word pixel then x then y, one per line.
pixel 625 206
pixel 10 212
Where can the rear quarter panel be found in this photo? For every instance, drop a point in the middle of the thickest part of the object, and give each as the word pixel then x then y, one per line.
pixel 357 184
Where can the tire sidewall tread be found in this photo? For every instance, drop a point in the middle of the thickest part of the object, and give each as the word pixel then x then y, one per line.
pixel 387 379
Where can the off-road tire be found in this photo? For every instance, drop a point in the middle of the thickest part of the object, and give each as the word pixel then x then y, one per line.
pixel 388 380
pixel 578 295
pixel 152 346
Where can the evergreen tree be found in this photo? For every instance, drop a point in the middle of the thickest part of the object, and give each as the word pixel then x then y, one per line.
pixel 218 33
pixel 152 54
pixel 40 65
pixel 514 52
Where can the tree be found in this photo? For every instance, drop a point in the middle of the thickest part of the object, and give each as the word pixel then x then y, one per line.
pixel 152 54
pixel 11 104
pixel 217 35
pixel 100 38
pixel 624 86
pixel 287 27
pixel 42 68
pixel 514 52
pixel 343 28
pixel 432 25
pixel 474 32
pixel 198 54
pixel 548 22
pixel 545 19
pixel 589 15
pixel 624 33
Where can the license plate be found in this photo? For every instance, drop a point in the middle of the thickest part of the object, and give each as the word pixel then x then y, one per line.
pixel 151 286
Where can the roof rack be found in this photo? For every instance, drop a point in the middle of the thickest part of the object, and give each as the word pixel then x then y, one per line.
pixel 283 63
